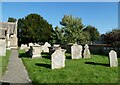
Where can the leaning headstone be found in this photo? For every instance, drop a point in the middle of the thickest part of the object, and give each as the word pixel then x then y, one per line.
pixel 76 51
pixel 45 47
pixel 86 53
pixel 113 58
pixel 58 59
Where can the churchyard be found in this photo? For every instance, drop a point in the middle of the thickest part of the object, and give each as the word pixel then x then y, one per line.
pixel 78 66
pixel 53 56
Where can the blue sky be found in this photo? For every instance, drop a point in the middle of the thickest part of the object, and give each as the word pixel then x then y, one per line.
pixel 102 15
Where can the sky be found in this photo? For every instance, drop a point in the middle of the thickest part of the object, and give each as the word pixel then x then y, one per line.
pixel 102 15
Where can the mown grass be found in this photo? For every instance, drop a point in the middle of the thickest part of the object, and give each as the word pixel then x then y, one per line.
pixel 93 70
pixel 4 62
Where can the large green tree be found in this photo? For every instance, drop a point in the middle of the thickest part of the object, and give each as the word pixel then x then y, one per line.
pixel 33 28
pixel 93 32
pixel 72 28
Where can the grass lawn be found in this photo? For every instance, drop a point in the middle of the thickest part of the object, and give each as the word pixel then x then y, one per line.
pixel 94 70
pixel 4 62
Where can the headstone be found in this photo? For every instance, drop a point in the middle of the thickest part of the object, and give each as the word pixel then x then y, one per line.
pixel 113 58
pixel 31 44
pixel 76 51
pixel 45 47
pixel 36 44
pixel 86 53
pixel 56 45
pixel 23 46
pixel 58 59
pixel 36 53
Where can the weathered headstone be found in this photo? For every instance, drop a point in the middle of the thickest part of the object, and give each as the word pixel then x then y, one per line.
pixel 58 59
pixel 113 58
pixel 76 51
pixel 45 47
pixel 35 51
pixel 86 53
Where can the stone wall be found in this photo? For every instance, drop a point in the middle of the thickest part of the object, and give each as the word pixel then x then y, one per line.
pixel 100 49
pixel 2 47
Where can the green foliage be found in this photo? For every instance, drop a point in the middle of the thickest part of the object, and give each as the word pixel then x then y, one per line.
pixel 33 28
pixel 93 32
pixel 10 19
pixel 112 37
pixel 57 36
pixel 93 70
pixel 72 28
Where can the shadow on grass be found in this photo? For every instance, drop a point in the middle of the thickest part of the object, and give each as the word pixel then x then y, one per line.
pixel 24 55
pixel 43 65
pixel 46 55
pixel 93 63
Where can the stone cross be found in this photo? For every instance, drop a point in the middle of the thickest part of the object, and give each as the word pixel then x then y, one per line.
pixel 76 51
pixel 86 53
pixel 113 58
pixel 58 59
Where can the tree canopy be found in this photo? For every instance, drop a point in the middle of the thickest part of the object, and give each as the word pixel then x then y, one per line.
pixel 72 28
pixel 33 28
pixel 112 37
pixel 94 33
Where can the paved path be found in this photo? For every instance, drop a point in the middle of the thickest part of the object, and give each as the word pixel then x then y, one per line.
pixel 16 72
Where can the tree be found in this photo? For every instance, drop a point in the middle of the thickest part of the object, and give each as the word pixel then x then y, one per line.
pixel 10 19
pixel 33 28
pixel 72 28
pixel 93 32
pixel 112 37
pixel 57 35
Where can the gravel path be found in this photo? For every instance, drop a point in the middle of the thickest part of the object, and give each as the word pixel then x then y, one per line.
pixel 16 72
